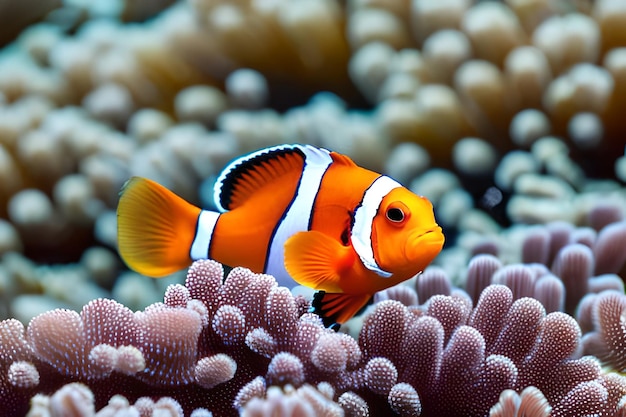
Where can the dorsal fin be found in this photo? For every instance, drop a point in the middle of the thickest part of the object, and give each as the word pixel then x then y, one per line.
pixel 342 159
pixel 245 175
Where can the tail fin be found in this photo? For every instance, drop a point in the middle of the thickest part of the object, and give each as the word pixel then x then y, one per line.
pixel 155 228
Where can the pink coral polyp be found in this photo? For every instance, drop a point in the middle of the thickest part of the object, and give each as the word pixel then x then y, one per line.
pixel 248 343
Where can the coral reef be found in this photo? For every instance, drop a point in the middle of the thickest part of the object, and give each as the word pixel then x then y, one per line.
pixel 253 346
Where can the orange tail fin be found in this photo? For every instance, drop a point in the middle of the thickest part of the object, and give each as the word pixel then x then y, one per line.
pixel 155 228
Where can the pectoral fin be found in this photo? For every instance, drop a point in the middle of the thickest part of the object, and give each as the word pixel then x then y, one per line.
pixel 336 308
pixel 318 261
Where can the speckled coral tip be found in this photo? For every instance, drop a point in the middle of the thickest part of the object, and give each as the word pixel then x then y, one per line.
pixel 609 336
pixel 329 354
pixel 230 324
pixel 404 400
pixel 201 412
pixel 285 368
pixel 281 312
pixel 353 405
pixel 559 338
pixel 383 328
pixel 530 402
pixel 22 374
pixel 465 349
pixel 176 295
pixel 588 397
pixel 214 370
pixel 253 389
pixel 73 400
pixel 103 359
pixel 130 360
pixel 204 278
pixel 451 312
pixel 380 375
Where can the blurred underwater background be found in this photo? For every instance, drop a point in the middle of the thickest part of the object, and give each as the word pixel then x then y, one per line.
pixel 508 115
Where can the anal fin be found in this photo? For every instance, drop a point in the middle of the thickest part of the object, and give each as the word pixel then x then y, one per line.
pixel 337 308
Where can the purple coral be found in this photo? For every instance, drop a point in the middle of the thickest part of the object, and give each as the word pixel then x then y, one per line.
pixel 561 264
pixel 186 346
pixel 502 344
pixel 607 338
pixel 248 343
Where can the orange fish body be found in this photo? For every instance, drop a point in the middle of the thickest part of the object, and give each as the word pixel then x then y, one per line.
pixel 296 212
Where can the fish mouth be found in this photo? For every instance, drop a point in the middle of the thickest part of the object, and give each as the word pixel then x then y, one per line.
pixel 424 243
pixel 433 236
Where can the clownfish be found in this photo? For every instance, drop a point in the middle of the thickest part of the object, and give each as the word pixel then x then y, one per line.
pixel 296 212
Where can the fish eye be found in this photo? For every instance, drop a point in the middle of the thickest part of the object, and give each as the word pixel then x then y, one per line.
pixel 395 214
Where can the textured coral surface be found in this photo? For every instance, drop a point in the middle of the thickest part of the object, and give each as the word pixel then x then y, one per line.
pixel 228 345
